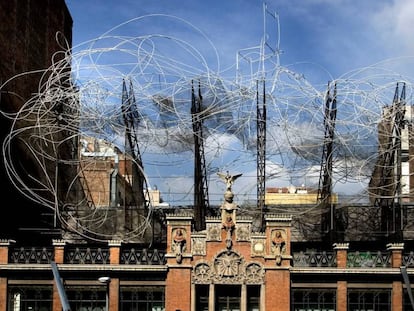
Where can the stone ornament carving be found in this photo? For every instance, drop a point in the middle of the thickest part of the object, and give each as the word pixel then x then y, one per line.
pixel 202 273
pixel 227 264
pixel 198 246
pixel 179 243
pixel 228 225
pixel 243 232
pixel 254 273
pixel 278 244
pixel 258 247
pixel 228 179
pixel 213 232
pixel 228 267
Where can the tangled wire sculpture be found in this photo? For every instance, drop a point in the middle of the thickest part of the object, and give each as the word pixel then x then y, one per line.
pixel 162 69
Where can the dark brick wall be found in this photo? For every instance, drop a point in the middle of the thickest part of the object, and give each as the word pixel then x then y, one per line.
pixel 28 40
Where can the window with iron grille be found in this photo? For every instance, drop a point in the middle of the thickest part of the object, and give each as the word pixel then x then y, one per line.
pixel 29 298
pixel 313 299
pixel 85 298
pixel 367 299
pixel 142 298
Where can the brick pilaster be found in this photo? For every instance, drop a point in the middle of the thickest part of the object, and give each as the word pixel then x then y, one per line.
pixel 341 295
pixel 341 286
pixel 179 255
pixel 4 259
pixel 114 251
pixel 59 258
pixel 341 254
pixel 396 254
pixel 397 286
pixel 3 294
pixel 114 259
pixel 4 250
pixel 114 295
pixel 278 261
pixel 59 250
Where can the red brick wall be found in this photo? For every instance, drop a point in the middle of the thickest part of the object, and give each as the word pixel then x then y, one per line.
pixel 341 258
pixel 59 254
pixel 341 296
pixel 397 296
pixel 4 254
pixel 114 294
pixel 114 255
pixel 28 41
pixel 57 305
pixel 178 290
pixel 3 294
pixel 277 290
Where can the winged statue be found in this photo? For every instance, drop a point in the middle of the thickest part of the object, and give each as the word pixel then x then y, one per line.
pixel 228 179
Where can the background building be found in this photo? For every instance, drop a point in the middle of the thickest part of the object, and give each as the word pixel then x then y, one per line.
pixel 28 31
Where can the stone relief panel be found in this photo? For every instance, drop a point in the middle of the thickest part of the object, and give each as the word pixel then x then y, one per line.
pixel 202 273
pixel 243 232
pixel 228 268
pixel 258 247
pixel 254 273
pixel 214 232
pixel 278 242
pixel 278 247
pixel 179 243
pixel 227 264
pixel 198 246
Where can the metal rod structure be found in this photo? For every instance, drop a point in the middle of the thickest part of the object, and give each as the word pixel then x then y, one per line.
pixel 61 290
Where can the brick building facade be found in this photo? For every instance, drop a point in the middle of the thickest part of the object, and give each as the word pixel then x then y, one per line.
pixel 29 43
pixel 225 267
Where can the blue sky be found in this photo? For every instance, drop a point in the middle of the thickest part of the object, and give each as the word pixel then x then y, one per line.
pixel 319 41
pixel 337 35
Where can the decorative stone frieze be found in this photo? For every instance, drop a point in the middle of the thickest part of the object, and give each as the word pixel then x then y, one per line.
pixel 114 243
pixel 179 243
pixel 258 245
pixel 341 246
pixel 279 220
pixel 395 246
pixel 228 267
pixel 213 229
pixel 198 243
pixel 243 231
pixel 58 242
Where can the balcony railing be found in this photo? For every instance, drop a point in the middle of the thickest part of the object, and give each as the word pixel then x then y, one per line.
pixel 85 255
pixel 314 259
pixel 369 259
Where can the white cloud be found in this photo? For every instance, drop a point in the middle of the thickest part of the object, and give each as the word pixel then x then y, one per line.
pixel 394 23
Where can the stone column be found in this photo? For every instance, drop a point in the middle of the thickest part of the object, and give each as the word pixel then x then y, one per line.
pixel 263 297
pixel 4 259
pixel 211 298
pixel 397 286
pixel 341 286
pixel 243 298
pixel 193 297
